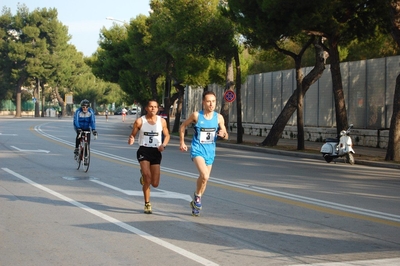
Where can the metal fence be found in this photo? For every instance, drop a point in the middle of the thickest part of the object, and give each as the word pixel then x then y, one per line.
pixel 368 90
pixel 8 105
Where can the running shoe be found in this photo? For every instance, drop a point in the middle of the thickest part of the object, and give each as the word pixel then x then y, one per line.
pixel 196 202
pixel 195 212
pixel 76 151
pixel 147 208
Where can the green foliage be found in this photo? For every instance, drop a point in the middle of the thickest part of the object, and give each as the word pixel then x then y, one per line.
pixel 381 45
pixel 34 48
pixel 264 21
pixel 114 61
pixel 185 41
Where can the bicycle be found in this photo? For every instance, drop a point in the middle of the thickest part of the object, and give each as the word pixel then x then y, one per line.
pixel 84 151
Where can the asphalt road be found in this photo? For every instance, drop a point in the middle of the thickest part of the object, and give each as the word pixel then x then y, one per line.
pixel 258 209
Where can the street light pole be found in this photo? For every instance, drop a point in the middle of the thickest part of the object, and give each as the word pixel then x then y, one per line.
pixel 114 19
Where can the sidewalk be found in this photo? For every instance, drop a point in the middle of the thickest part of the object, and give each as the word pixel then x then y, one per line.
pixel 363 155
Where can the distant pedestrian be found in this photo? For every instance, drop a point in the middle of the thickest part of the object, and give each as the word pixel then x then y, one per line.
pixel 208 126
pixel 106 114
pixel 124 111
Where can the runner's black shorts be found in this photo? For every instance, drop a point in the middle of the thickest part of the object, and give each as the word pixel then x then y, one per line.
pixel 153 155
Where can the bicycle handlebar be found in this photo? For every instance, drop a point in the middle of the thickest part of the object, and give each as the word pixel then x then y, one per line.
pixel 85 132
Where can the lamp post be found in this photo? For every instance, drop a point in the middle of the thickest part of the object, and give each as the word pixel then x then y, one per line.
pixel 114 19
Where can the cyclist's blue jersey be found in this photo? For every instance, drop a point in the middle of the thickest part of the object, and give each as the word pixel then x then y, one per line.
pixel 84 121
pixel 204 137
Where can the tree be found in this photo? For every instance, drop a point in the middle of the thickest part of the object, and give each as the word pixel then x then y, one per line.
pixel 266 29
pixel 194 34
pixel 118 60
pixel 174 28
pixel 5 65
pixel 15 46
pixel 341 22
pixel 30 42
pixel 264 22
pixel 303 84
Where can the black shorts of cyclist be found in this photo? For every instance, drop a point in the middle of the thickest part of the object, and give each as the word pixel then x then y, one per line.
pixel 77 141
pixel 153 155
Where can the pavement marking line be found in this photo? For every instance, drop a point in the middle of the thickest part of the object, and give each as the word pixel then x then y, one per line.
pixel 386 262
pixel 161 194
pixel 313 206
pixel 110 219
pixel 18 149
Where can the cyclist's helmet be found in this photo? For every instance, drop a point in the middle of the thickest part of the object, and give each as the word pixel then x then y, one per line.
pixel 85 103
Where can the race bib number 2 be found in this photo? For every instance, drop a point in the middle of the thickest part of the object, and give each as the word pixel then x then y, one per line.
pixel 207 135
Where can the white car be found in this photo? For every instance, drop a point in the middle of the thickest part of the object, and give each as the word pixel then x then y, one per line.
pixel 135 111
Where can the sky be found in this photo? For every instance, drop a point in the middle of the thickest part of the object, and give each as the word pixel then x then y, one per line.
pixel 85 18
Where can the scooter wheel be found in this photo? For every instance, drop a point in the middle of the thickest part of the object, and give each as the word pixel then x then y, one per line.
pixel 327 158
pixel 350 158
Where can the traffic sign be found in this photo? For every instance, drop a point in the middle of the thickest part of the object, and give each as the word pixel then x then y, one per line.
pixel 229 96
pixel 68 99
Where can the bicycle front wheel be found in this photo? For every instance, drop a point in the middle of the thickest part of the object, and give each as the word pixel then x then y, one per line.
pixel 86 157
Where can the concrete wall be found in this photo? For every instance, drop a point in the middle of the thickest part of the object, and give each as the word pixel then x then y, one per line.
pixel 360 137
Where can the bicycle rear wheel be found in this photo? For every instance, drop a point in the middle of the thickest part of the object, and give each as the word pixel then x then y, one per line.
pixel 78 158
pixel 86 157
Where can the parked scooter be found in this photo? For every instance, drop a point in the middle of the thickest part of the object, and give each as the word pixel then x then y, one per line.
pixel 339 147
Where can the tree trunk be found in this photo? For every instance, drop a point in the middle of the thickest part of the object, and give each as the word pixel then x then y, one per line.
pixel 178 113
pixel 18 112
pixel 153 86
pixel 18 106
pixel 167 98
pixel 291 105
pixel 239 135
pixel 60 101
pixel 43 99
pixel 337 85
pixel 393 149
pixel 36 95
pixel 300 105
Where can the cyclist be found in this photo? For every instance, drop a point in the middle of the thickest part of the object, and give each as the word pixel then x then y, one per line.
pixel 84 120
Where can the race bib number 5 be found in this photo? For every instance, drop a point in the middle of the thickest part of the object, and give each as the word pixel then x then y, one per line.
pixel 207 135
pixel 150 139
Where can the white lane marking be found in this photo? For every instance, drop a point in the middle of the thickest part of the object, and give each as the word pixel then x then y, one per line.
pixel 18 149
pixel 160 194
pixel 386 262
pixel 110 219
pixel 317 202
pixel 1 134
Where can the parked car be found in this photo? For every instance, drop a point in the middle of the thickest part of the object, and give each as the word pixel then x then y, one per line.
pixel 134 111
pixel 163 115
pixel 118 111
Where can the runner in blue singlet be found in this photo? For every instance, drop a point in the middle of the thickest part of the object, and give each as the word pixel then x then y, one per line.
pixel 208 125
